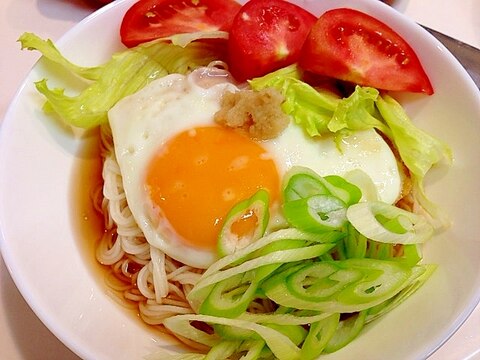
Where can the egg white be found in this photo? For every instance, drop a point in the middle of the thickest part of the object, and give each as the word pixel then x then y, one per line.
pixel 143 122
pixel 365 150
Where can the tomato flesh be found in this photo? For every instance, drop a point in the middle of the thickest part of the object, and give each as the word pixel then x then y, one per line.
pixel 350 45
pixel 147 20
pixel 265 36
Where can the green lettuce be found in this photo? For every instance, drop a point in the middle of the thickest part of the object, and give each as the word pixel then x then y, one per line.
pixel 124 74
pixel 320 112
pixel 419 151
pixel 310 108
pixel 357 112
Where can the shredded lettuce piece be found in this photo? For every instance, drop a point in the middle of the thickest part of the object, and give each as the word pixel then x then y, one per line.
pixel 126 73
pixel 48 49
pixel 419 151
pixel 320 111
pixel 309 107
pixel 357 112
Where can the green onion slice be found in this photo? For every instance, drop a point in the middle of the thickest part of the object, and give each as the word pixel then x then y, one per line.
pixel 388 224
pixel 318 337
pixel 301 182
pixel 316 213
pixel 237 230
pixel 338 286
pixel 346 331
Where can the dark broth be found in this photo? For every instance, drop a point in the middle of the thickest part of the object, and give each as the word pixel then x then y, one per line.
pixel 88 223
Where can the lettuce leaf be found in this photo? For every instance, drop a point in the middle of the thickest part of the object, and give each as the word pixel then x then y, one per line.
pixel 358 112
pixel 310 108
pixel 320 112
pixel 124 74
pixel 419 151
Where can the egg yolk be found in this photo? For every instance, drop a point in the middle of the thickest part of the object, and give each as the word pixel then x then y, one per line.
pixel 199 174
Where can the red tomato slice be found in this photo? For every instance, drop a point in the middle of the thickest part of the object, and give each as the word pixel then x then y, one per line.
pixel 349 45
pixel 265 36
pixel 147 20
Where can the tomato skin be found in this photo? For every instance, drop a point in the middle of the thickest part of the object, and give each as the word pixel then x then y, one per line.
pixel 265 36
pixel 349 45
pixel 147 20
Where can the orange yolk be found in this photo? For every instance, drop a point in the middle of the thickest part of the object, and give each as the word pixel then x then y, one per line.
pixel 199 174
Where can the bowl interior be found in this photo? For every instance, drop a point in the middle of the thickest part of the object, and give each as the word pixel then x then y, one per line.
pixel 43 251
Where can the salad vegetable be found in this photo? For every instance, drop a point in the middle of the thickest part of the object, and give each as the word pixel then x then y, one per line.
pixel 387 223
pixel 246 222
pixel 148 20
pixel 301 182
pixel 381 58
pixel 321 113
pixel 266 35
pixel 316 213
pixel 126 73
pixel 330 279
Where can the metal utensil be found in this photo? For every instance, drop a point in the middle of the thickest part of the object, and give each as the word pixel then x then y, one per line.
pixel 467 55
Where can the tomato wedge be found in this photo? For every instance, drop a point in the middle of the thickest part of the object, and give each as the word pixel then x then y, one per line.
pixel 350 45
pixel 147 20
pixel 265 36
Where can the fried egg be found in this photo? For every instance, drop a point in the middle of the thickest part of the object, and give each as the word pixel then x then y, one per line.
pixel 182 172
pixel 365 150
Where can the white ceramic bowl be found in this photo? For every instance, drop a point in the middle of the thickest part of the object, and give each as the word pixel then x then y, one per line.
pixel 45 256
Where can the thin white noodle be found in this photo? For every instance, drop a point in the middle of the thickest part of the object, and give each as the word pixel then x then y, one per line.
pixel 121 300
pixel 186 278
pixel 178 291
pixel 133 296
pixel 109 251
pixel 136 246
pixel 160 281
pixel 141 260
pixel 144 283
pixel 154 314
